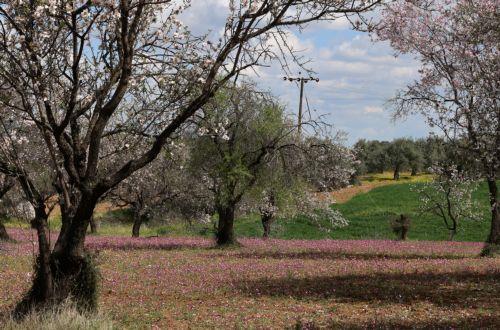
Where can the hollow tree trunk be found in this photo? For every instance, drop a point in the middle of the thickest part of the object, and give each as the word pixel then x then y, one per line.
pixel 494 236
pixel 225 230
pixel 67 271
pixel 267 221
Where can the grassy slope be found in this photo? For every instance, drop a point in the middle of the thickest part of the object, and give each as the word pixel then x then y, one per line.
pixel 368 213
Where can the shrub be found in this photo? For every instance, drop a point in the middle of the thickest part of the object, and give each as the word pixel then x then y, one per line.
pixel 400 226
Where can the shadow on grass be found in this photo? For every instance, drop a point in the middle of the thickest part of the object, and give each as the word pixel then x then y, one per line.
pixel 315 255
pixel 165 247
pixel 464 322
pixel 461 289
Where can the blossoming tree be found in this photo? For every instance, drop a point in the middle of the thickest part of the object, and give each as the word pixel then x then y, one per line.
pixel 449 196
pixel 83 71
pixel 457 91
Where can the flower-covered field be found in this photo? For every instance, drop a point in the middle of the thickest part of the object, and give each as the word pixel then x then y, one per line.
pixel 186 283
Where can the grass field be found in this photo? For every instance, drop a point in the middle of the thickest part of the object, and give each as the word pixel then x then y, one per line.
pixel 368 207
pixel 362 279
pixel 184 283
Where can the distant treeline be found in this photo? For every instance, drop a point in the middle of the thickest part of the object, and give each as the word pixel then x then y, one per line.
pixel 406 154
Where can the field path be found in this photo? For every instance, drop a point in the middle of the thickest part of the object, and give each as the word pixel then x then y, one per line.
pixel 345 194
pixel 369 182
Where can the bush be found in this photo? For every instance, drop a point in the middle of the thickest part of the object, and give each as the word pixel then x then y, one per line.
pixel 400 226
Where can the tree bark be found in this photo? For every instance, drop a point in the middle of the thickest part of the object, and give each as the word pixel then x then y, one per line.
pixel 137 224
pixel 67 271
pixel 225 230
pixel 267 221
pixel 494 236
pixel 93 225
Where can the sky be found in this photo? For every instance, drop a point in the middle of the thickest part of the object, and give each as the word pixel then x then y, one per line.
pixel 357 76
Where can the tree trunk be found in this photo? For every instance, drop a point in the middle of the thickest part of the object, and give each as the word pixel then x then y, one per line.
pixel 404 234
pixel 93 225
pixel 396 173
pixel 493 241
pixel 266 223
pixel 42 291
pixel 452 234
pixel 4 236
pixel 137 224
pixel 225 230
pixel 414 171
pixel 66 272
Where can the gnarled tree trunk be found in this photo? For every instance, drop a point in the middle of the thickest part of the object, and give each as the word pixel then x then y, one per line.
pixel 67 270
pixel 225 229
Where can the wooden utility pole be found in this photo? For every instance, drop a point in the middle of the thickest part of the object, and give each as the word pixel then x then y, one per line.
pixel 302 81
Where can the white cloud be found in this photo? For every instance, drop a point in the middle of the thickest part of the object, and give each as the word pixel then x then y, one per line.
pixel 340 23
pixel 404 72
pixel 373 109
pixel 356 76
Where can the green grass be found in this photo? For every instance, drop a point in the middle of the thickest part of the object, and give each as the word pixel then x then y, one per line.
pixel 368 214
pixel 405 177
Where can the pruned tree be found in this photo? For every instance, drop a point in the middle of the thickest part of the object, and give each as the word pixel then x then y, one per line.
pixel 85 71
pixel 457 91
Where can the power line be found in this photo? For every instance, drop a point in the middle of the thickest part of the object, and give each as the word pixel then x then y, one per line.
pixel 302 80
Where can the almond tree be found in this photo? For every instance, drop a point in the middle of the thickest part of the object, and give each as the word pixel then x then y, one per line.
pixel 156 188
pixel 293 181
pixel 457 91
pixel 83 70
pixel 449 196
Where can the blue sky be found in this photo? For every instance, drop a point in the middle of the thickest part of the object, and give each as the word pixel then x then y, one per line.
pixel 357 76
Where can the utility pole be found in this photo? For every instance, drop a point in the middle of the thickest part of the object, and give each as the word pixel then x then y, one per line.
pixel 302 81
